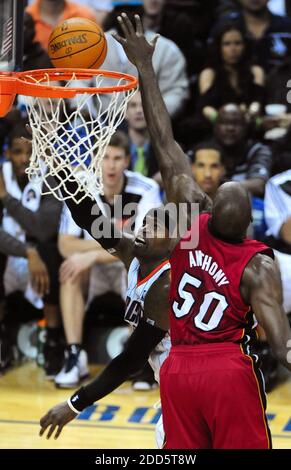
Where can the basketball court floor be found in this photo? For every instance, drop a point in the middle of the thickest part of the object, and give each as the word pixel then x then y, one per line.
pixel 122 420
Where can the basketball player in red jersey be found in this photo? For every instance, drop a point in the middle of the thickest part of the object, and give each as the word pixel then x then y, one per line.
pixel 211 390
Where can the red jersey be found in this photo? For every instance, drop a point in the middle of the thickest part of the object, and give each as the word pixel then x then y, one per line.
pixel 205 299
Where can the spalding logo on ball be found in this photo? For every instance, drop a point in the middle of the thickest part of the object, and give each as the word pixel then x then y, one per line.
pixel 77 43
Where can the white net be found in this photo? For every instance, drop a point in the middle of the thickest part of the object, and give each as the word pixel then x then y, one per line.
pixel 70 137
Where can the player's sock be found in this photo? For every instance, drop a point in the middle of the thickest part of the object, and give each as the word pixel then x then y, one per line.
pixel 74 348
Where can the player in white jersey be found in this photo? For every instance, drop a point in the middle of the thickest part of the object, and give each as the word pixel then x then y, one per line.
pixel 135 298
pixel 146 260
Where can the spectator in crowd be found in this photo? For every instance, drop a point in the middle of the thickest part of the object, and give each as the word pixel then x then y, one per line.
pixel 229 77
pixel 268 34
pixel 106 272
pixel 169 64
pixel 209 171
pixel 47 14
pixel 39 279
pixel 245 160
pixel 130 7
pixel 34 56
pixel 185 22
pixel 278 7
pixel 31 220
pixel 278 92
pixel 207 167
pixel 6 124
pixel 142 159
pixel 101 7
pixel 278 219
pixel 175 25
pixel 226 8
pixel 202 14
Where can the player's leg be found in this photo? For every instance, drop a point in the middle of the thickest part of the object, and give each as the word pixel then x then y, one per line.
pixel 73 308
pixel 160 433
pixel 117 276
pixel 72 301
pixel 106 279
pixel 109 277
pixel 53 348
pixel 237 417
pixel 184 424
pixel 15 280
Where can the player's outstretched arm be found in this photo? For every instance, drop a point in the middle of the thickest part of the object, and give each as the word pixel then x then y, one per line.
pixel 266 301
pixel 119 244
pixel 173 163
pixel 139 346
pixel 100 227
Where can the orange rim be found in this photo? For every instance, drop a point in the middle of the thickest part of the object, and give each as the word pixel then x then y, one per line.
pixel 80 74
pixel 24 83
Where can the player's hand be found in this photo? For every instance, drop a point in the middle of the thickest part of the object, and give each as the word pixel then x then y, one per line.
pixel 38 272
pixel 56 418
pixel 76 264
pixel 134 43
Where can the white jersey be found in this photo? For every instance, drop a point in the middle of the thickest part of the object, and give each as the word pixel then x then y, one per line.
pixel 135 297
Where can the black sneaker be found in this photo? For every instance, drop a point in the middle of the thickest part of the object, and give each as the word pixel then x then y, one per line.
pixel 6 350
pixel 53 358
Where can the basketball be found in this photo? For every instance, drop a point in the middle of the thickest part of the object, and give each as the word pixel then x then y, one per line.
pixel 77 43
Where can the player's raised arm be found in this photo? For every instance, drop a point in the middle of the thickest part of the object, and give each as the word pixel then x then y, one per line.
pixel 87 215
pixel 173 163
pixel 265 297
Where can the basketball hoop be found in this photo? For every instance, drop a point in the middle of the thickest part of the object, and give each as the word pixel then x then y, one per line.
pixel 66 140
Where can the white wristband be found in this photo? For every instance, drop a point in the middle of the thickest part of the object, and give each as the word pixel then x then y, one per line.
pixel 72 407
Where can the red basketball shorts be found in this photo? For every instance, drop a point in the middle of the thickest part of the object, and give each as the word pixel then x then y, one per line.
pixel 212 398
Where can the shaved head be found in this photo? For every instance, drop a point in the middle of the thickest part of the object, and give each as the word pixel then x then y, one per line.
pixel 232 211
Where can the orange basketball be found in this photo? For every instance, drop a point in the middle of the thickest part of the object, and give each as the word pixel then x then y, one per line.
pixel 77 43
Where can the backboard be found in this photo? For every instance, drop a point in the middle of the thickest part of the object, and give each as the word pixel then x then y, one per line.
pixel 11 34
